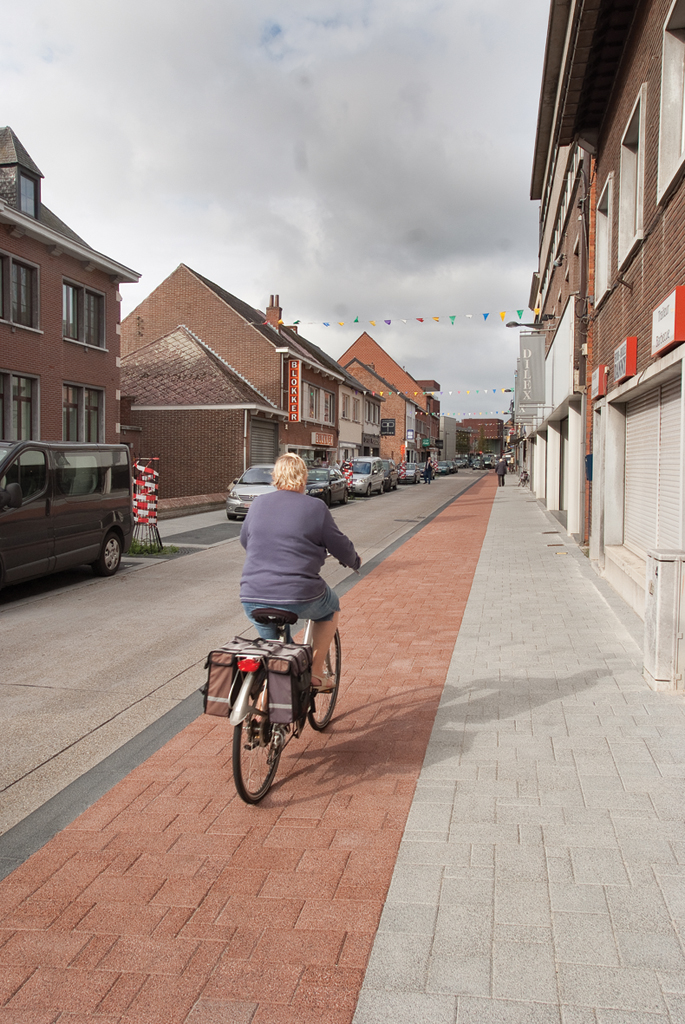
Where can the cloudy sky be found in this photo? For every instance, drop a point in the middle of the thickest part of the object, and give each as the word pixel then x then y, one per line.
pixel 363 158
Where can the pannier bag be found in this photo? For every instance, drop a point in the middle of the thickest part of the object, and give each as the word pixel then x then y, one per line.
pixel 290 678
pixel 222 671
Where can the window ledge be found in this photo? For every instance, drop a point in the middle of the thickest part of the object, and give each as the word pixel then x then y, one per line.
pixel 630 251
pixel 84 344
pixel 21 327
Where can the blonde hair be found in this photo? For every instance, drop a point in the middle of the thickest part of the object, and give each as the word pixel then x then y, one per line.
pixel 289 473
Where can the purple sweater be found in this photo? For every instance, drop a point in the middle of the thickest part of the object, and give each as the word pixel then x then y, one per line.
pixel 286 536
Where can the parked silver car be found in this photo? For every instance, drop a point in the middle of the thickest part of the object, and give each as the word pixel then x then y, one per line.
pixel 368 475
pixel 255 480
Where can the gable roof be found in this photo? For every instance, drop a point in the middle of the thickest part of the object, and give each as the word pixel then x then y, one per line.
pixel 275 336
pixel 179 369
pixel 385 383
pixel 368 352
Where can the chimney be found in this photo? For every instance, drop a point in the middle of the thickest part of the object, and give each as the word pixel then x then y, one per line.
pixel 274 313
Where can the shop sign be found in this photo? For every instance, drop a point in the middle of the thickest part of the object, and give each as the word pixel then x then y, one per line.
pixel 388 428
pixel 531 377
pixel 371 440
pixel 625 360
pixel 599 381
pixel 668 322
pixel 322 440
pixel 439 444
pixel 410 434
pixel 294 389
pixel 426 442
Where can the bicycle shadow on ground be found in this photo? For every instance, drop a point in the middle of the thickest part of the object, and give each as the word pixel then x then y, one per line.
pixel 378 750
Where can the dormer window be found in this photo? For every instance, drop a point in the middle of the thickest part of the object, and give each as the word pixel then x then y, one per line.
pixel 27 195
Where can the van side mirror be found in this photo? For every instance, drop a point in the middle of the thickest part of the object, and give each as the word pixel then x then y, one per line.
pixel 11 496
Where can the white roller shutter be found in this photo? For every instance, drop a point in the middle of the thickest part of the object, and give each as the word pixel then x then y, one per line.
pixel 668 516
pixel 642 471
pixel 652 483
pixel 263 442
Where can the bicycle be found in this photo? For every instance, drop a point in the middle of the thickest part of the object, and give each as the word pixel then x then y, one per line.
pixel 524 479
pixel 259 743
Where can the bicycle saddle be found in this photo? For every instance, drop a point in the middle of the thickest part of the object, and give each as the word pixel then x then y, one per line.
pixel 274 617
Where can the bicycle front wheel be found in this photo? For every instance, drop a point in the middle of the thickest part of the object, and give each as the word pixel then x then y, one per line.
pixel 323 704
pixel 256 753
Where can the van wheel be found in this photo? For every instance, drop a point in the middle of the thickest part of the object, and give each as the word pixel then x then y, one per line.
pixel 110 555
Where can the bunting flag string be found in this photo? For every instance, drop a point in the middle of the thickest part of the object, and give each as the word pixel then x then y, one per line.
pixel 433 394
pixel 452 317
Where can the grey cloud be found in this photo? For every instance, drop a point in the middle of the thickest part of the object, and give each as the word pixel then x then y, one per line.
pixel 366 156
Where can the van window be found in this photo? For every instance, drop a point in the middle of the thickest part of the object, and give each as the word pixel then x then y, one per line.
pixel 77 473
pixel 80 473
pixel 29 471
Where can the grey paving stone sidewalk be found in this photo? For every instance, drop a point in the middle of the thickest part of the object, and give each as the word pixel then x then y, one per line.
pixel 541 875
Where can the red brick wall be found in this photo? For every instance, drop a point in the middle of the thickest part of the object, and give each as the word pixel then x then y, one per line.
pixel 394 407
pixel 658 265
pixel 200 451
pixel 183 299
pixel 46 355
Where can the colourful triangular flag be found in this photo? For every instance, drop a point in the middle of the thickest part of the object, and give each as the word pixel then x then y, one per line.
pixel 437 319
pixel 453 318
pixel 502 315
pixel 536 311
pixel 372 322
pixel 326 325
pixel 355 321
pixel 485 316
pixel 420 319
pixel 387 322
pixel 341 322
pixel 519 313
pixel 469 316
pixel 296 321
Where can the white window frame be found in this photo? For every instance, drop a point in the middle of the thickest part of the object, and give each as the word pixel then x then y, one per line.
pixel 345 411
pixel 313 402
pixel 603 236
pixel 356 410
pixel 632 179
pixel 672 105
pixel 328 408
pixel 7 430
pixel 81 291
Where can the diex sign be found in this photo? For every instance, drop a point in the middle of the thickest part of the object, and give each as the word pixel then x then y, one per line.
pixel 294 389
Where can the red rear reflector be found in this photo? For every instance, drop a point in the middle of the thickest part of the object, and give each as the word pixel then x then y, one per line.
pixel 248 664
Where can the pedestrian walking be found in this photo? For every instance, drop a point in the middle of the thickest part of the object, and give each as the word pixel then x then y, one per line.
pixel 501 471
pixel 428 471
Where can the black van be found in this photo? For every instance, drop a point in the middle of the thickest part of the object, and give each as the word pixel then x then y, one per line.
pixel 63 505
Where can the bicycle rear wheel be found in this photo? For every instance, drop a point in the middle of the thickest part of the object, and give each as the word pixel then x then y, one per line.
pixel 323 704
pixel 256 752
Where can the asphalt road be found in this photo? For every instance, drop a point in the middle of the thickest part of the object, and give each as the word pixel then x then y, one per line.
pixel 88 663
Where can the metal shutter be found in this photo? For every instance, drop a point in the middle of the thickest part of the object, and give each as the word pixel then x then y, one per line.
pixel 668 513
pixel 263 442
pixel 642 472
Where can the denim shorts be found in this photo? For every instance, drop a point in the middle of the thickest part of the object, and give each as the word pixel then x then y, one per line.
pixel 321 609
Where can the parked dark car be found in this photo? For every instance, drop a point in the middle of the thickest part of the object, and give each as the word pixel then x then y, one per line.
pixel 391 474
pixel 443 469
pixel 328 484
pixel 63 505
pixel 411 474
pixel 477 464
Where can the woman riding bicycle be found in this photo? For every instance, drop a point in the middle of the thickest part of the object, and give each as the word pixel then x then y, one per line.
pixel 286 535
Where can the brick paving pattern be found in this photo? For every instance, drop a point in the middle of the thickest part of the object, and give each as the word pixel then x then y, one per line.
pixel 541 876
pixel 171 901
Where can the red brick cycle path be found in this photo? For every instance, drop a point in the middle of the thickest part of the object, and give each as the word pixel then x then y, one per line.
pixel 171 901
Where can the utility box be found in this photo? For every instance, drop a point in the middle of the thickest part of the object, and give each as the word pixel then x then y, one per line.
pixel 664 653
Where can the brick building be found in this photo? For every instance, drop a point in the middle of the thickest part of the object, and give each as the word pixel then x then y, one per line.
pixel 490 431
pixel 186 406
pixel 59 317
pixel 431 389
pixel 258 346
pixel 371 364
pixel 613 146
